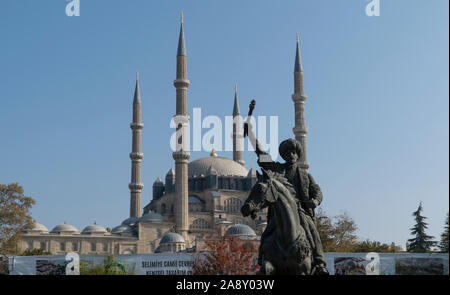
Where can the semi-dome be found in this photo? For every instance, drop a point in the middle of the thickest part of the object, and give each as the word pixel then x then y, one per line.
pixel 195 200
pixel 65 228
pixel 221 166
pixel 130 221
pixel 152 217
pixel 172 237
pixel 94 228
pixel 240 230
pixel 122 229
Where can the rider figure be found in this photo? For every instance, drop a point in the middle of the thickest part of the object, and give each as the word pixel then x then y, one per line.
pixel 308 195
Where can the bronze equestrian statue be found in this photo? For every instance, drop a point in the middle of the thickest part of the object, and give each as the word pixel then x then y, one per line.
pixel 300 185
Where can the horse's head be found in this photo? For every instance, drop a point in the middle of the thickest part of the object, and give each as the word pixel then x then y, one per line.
pixel 262 193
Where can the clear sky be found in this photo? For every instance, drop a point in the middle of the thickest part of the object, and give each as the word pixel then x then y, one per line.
pixel 377 107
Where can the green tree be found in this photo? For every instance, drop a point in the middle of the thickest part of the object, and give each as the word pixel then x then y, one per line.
pixel 421 242
pixel 443 245
pixel 373 246
pixel 337 233
pixel 14 216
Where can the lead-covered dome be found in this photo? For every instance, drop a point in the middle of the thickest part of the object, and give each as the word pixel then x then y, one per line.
pixel 37 227
pixel 122 229
pixel 152 217
pixel 94 229
pixel 240 230
pixel 130 221
pixel 172 237
pixel 222 167
pixel 64 228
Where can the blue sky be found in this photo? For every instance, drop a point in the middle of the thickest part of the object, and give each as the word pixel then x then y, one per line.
pixel 377 106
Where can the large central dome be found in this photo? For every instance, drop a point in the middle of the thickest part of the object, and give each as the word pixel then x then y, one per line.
pixel 222 167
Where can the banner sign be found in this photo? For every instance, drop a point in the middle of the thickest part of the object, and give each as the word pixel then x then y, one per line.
pixel 182 263
pixel 141 264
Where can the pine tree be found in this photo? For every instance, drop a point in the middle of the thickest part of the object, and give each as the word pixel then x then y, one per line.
pixel 421 242
pixel 443 245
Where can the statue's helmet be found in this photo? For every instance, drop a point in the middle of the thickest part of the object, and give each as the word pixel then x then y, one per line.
pixel 289 145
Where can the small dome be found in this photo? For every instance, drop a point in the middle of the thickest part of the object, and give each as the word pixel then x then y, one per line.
pixel 171 172
pixel 240 230
pixel 38 227
pixel 122 229
pixel 130 221
pixel 152 217
pixel 94 228
pixel 172 238
pixel 64 228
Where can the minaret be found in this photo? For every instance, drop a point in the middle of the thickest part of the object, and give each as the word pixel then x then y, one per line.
pixel 237 135
pixel 136 155
pixel 181 155
pixel 299 98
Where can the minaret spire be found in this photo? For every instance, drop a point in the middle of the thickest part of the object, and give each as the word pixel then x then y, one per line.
pixel 181 45
pixel 181 155
pixel 299 98
pixel 136 154
pixel 237 135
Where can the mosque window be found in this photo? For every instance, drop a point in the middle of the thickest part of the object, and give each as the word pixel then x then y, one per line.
pixel 199 223
pixel 74 246
pixel 93 247
pixel 171 209
pixel 62 246
pixel 233 205
pixel 30 245
pixel 43 245
pixel 105 247
pixel 163 208
pixel 159 233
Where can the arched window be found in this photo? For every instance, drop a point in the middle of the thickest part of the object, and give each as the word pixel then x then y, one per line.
pixel 199 223
pixel 30 245
pixel 74 246
pixel 43 247
pixel 233 205
pixel 93 247
pixel 105 247
pixel 163 208
pixel 62 246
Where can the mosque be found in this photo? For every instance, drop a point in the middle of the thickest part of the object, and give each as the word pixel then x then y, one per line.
pixel 198 200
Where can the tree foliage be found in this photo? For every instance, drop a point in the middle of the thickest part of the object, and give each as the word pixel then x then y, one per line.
pixel 421 242
pixel 337 233
pixel 227 256
pixel 14 216
pixel 373 246
pixel 443 245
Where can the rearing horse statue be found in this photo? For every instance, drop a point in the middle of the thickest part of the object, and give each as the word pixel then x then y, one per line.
pixel 286 250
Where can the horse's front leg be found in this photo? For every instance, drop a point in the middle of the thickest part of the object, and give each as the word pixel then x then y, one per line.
pixel 267 268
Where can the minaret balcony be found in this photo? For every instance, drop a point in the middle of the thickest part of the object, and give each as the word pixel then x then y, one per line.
pixel 298 97
pixel 300 130
pixel 136 126
pixel 136 156
pixel 181 83
pixel 135 187
pixel 181 155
